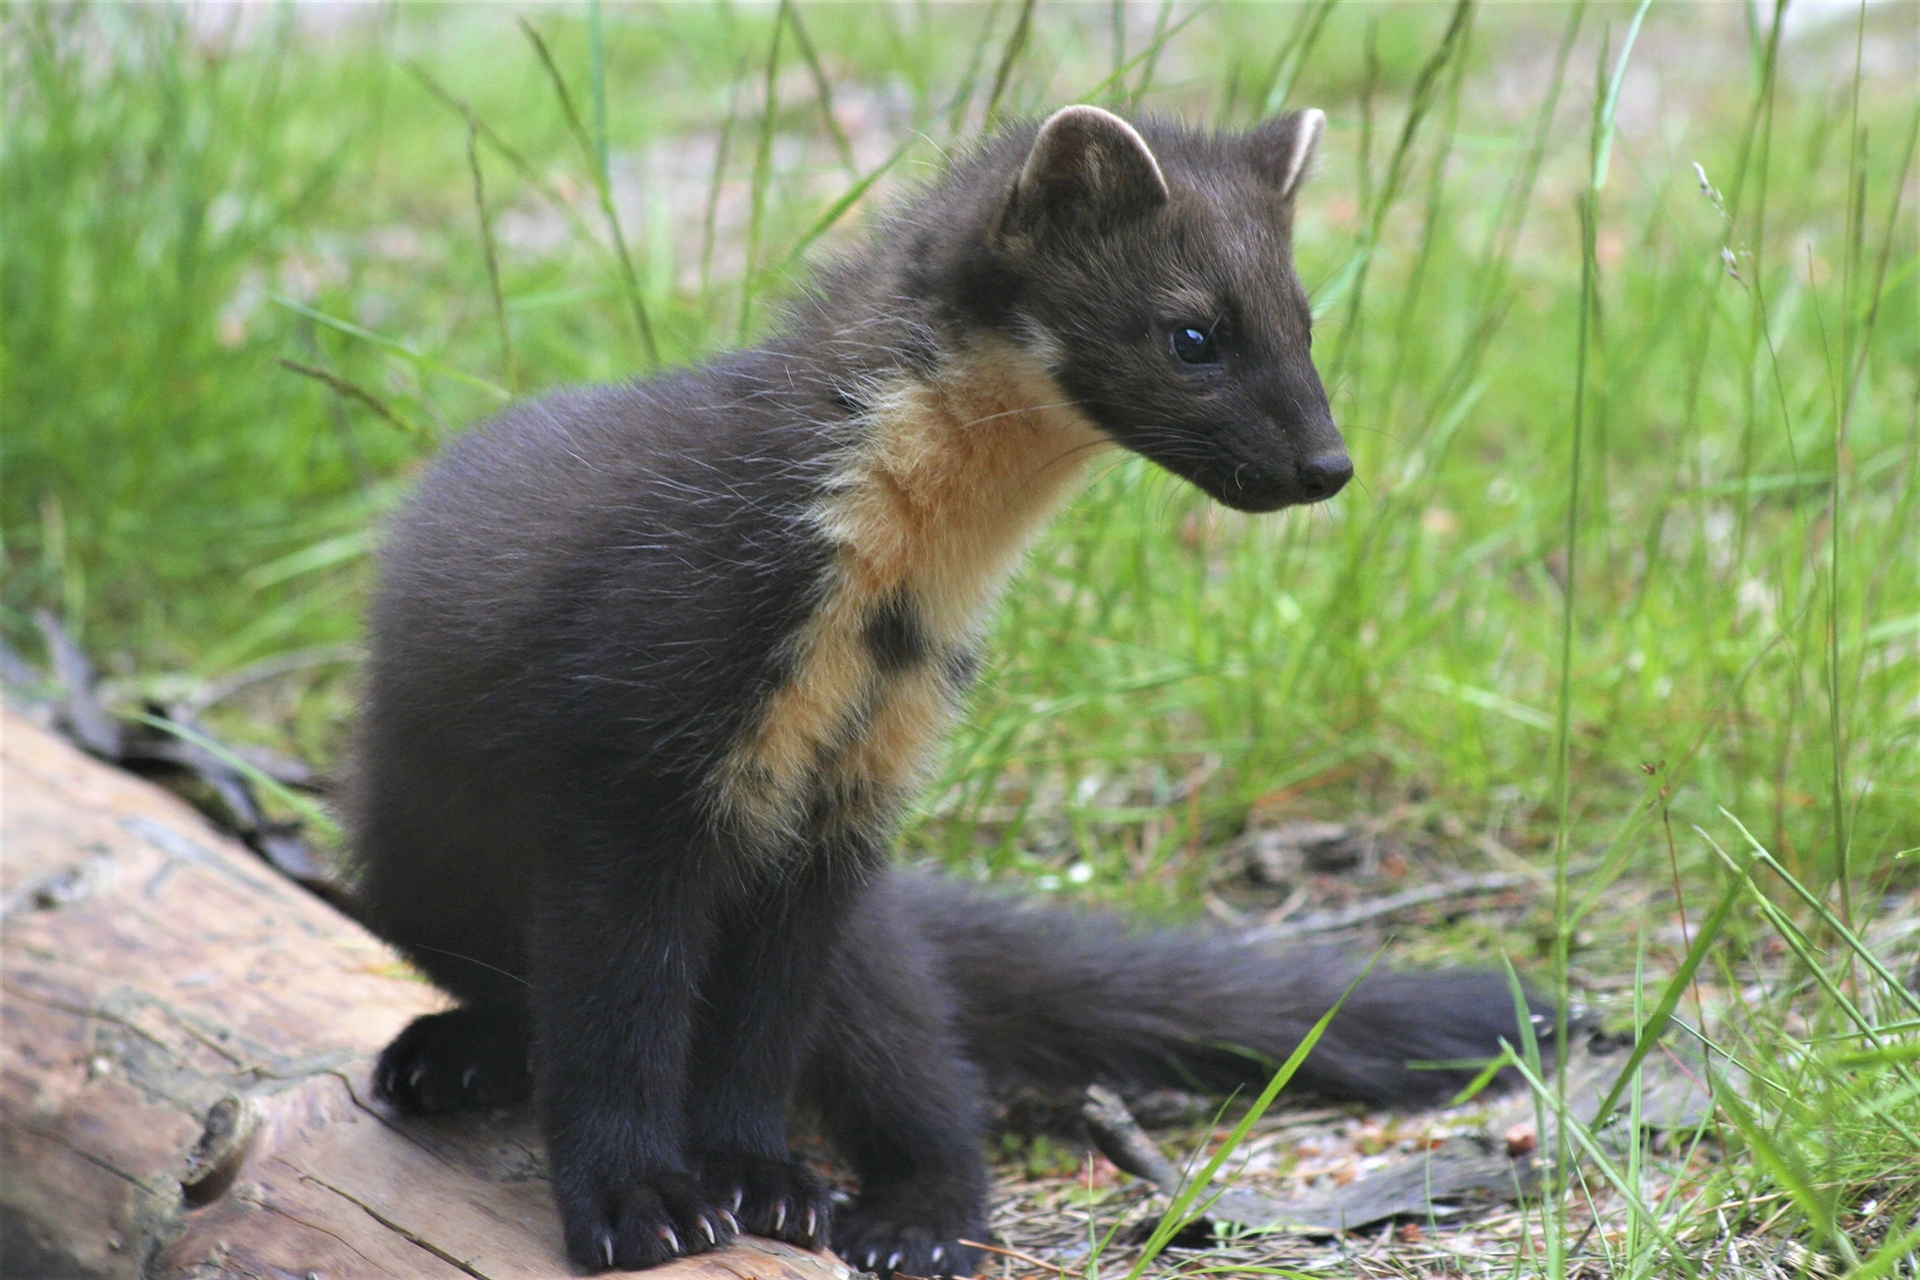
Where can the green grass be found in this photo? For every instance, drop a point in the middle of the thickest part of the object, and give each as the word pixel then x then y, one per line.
pixel 1633 557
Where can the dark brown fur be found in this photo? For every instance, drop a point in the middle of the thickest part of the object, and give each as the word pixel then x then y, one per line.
pixel 654 668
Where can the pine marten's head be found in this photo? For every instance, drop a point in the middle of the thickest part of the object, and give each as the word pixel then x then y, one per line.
pixel 1152 268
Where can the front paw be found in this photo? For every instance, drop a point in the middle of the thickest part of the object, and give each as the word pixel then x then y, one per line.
pixel 774 1196
pixel 640 1221
pixel 888 1244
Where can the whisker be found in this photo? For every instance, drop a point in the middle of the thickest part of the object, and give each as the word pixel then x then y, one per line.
pixel 1031 408
pixel 421 946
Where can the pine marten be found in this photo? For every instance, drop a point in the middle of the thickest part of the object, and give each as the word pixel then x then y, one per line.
pixel 655 667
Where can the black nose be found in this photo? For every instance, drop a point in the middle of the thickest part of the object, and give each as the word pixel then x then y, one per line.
pixel 1326 475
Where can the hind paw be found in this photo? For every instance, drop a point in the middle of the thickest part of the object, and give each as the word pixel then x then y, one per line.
pixel 887 1248
pixel 470 1057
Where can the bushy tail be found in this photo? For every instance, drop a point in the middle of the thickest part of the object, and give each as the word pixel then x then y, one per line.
pixel 1054 999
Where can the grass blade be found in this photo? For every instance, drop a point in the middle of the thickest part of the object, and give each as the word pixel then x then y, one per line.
pixel 592 149
pixel 1277 85
pixel 1426 85
pixel 762 175
pixel 1839 927
pixel 309 810
pixel 1015 46
pixel 1150 56
pixel 1116 78
pixel 1568 1124
pixel 1647 1035
pixel 597 84
pixel 424 363
pixel 710 219
pixel 823 90
pixel 516 160
pixel 354 391
pixel 1181 1211
pixel 492 256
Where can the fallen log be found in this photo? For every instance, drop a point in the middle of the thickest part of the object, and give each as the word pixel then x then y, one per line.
pixel 185 1044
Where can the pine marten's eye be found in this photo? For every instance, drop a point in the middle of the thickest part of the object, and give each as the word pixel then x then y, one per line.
pixel 1194 346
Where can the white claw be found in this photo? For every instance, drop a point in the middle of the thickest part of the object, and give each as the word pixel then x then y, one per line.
pixel 779 1214
pixel 813 1222
pixel 707 1229
pixel 673 1241
pixel 606 1249
pixel 468 1076
pixel 414 1076
pixel 739 1196
pixel 733 1223
pixel 939 1252
pixel 893 1259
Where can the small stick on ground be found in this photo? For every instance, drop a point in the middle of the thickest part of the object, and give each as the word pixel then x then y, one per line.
pixel 1361 912
pixel 1018 1256
pixel 1122 1140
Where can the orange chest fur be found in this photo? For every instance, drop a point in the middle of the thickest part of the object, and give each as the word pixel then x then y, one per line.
pixel 928 518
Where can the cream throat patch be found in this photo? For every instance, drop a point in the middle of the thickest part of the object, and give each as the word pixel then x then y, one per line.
pixel 928 516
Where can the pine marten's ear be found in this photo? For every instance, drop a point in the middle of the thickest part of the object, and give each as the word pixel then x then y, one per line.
pixel 1285 146
pixel 1086 166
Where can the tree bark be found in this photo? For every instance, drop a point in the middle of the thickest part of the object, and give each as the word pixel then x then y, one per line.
pixel 185 1043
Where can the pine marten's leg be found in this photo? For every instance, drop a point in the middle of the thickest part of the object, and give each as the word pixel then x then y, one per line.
pixel 890 1083
pixel 760 1008
pixel 623 929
